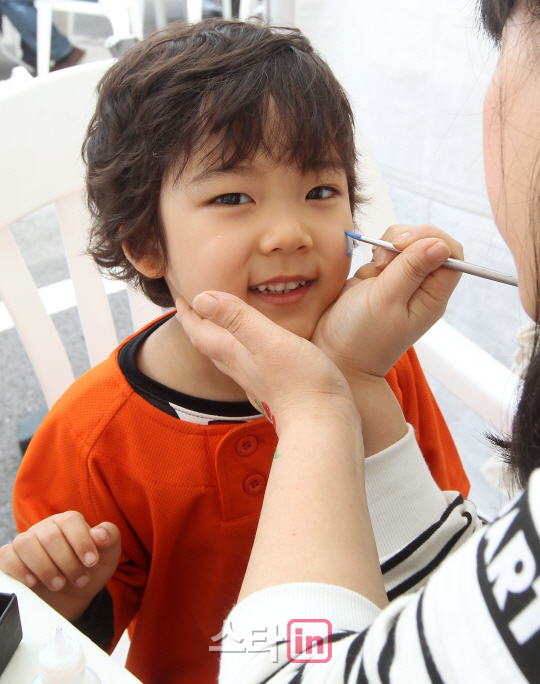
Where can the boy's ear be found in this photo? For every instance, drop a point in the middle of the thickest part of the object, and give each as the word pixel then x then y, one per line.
pixel 150 264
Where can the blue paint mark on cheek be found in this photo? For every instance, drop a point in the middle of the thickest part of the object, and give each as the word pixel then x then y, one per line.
pixel 350 244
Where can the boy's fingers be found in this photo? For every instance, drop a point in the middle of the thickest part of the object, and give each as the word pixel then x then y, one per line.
pixel 63 555
pixel 62 548
pixel 76 532
pixel 108 540
pixel 12 565
pixel 34 556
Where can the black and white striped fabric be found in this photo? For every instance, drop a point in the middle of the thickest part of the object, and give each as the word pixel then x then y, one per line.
pixel 476 617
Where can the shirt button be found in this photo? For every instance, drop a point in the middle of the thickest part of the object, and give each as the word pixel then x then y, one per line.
pixel 247 445
pixel 255 484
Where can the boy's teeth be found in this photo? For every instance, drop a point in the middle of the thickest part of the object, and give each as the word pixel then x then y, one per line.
pixel 281 287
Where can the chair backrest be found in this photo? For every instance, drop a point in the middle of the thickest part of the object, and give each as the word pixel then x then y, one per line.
pixel 482 383
pixel 43 124
pixel 194 10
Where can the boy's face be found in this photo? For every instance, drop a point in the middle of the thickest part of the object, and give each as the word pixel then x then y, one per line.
pixel 263 232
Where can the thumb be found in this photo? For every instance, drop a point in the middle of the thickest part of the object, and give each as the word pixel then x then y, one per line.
pixel 406 273
pixel 107 539
pixel 248 326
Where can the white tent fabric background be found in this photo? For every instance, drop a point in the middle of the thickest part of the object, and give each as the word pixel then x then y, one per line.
pixel 416 72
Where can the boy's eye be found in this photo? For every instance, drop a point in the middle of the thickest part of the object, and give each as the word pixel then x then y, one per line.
pixel 321 192
pixel 233 198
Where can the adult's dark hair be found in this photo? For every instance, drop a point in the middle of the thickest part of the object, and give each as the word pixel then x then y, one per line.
pixel 493 15
pixel 238 87
pixel 522 450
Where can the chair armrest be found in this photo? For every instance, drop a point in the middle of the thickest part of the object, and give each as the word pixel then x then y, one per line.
pixel 485 385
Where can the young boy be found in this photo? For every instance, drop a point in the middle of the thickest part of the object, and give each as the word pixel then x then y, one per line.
pixel 221 156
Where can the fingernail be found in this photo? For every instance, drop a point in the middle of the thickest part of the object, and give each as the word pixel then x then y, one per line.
pixel 82 581
pixel 90 558
pixel 222 296
pixel 438 252
pixel 379 257
pixel 30 581
pixel 205 304
pixel 101 533
pixel 57 583
pixel 402 238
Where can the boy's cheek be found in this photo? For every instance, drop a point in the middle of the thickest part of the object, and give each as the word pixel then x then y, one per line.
pixel 175 291
pixel 343 264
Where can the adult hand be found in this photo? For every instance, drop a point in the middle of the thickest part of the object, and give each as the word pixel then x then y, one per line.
pixel 314 524
pixel 390 302
pixel 284 373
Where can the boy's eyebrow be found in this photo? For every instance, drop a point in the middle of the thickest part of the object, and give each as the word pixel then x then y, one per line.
pixel 211 173
pixel 217 172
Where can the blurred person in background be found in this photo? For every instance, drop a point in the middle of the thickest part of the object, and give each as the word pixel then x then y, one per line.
pixel 23 16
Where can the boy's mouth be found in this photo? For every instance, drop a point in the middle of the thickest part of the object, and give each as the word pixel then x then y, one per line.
pixel 279 288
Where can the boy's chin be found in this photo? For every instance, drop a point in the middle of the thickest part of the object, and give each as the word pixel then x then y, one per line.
pixel 300 323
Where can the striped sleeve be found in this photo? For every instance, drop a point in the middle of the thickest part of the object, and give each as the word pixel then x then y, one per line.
pixel 416 525
pixel 477 619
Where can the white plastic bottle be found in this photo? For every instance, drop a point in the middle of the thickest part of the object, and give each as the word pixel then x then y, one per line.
pixel 62 661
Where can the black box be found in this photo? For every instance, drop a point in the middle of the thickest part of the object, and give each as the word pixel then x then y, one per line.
pixel 10 628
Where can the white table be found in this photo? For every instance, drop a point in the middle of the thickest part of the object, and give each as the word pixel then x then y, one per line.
pixel 39 622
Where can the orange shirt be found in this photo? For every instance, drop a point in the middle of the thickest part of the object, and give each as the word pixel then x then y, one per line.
pixel 186 499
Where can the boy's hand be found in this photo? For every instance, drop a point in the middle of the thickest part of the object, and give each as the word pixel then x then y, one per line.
pixel 390 302
pixel 63 560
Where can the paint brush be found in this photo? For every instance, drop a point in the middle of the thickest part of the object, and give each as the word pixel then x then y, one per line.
pixel 453 264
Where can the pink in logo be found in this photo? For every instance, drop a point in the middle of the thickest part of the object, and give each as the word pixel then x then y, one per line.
pixel 309 641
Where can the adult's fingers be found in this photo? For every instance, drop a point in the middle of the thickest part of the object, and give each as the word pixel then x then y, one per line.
pixel 208 336
pixel 250 328
pixel 403 277
pixel 403 235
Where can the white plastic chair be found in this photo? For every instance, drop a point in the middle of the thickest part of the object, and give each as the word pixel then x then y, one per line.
pixel 160 12
pixel 44 121
pixel 254 8
pixel 194 10
pixel 124 15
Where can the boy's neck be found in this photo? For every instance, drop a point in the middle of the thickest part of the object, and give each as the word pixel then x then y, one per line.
pixel 168 357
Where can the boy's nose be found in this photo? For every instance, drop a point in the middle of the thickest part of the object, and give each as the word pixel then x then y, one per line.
pixel 285 234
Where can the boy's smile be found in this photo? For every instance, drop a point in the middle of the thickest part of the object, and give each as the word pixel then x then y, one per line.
pixel 282 290
pixel 267 233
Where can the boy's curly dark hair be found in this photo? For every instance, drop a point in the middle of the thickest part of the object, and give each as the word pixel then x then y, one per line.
pixel 247 86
